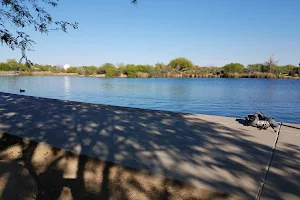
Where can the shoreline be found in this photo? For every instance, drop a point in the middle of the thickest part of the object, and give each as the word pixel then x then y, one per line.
pixel 238 76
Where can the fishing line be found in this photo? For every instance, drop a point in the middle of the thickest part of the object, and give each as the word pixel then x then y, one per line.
pixel 255 104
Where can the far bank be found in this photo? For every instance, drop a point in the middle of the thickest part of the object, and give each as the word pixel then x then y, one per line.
pixel 145 75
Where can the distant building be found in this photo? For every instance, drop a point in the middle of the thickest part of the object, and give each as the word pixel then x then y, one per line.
pixel 66 66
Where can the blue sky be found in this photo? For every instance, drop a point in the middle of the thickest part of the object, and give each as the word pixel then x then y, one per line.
pixel 208 32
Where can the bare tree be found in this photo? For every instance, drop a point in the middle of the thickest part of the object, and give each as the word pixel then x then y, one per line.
pixel 271 64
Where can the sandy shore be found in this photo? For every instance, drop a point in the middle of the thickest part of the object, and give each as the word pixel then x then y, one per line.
pixel 203 153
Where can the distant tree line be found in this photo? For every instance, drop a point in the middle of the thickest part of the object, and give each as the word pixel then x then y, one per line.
pixel 179 67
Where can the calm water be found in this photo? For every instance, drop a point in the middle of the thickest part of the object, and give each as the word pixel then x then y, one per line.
pixel 226 97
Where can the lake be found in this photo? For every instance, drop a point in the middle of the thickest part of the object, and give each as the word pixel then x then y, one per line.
pixel 224 97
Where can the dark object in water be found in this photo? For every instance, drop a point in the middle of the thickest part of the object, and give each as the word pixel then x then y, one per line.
pixel 260 121
pixel 22 90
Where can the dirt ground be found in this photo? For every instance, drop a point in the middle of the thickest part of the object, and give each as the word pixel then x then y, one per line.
pixel 59 174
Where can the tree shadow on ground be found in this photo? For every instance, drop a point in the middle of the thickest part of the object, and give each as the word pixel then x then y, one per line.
pixel 66 175
pixel 284 176
pixel 156 147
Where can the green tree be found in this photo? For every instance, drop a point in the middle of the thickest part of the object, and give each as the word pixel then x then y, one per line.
pixel 4 67
pixel 159 70
pixel 295 71
pixel 44 68
pixel 103 69
pixel 121 68
pixel 108 65
pixel 233 68
pixel 144 68
pixel 251 68
pixel 24 67
pixel 159 65
pixel 287 69
pixel 90 70
pixel 72 70
pixel 181 64
pixel 112 72
pixel 81 71
pixel 13 64
pixel 131 70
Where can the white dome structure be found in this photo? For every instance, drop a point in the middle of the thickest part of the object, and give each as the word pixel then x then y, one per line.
pixel 66 66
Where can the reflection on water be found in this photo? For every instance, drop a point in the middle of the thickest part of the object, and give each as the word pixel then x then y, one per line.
pixel 225 97
pixel 67 86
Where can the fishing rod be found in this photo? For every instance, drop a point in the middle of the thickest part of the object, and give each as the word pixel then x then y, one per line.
pixel 255 104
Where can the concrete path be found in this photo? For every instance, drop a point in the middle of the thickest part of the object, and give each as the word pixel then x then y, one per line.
pixel 214 153
pixel 283 181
